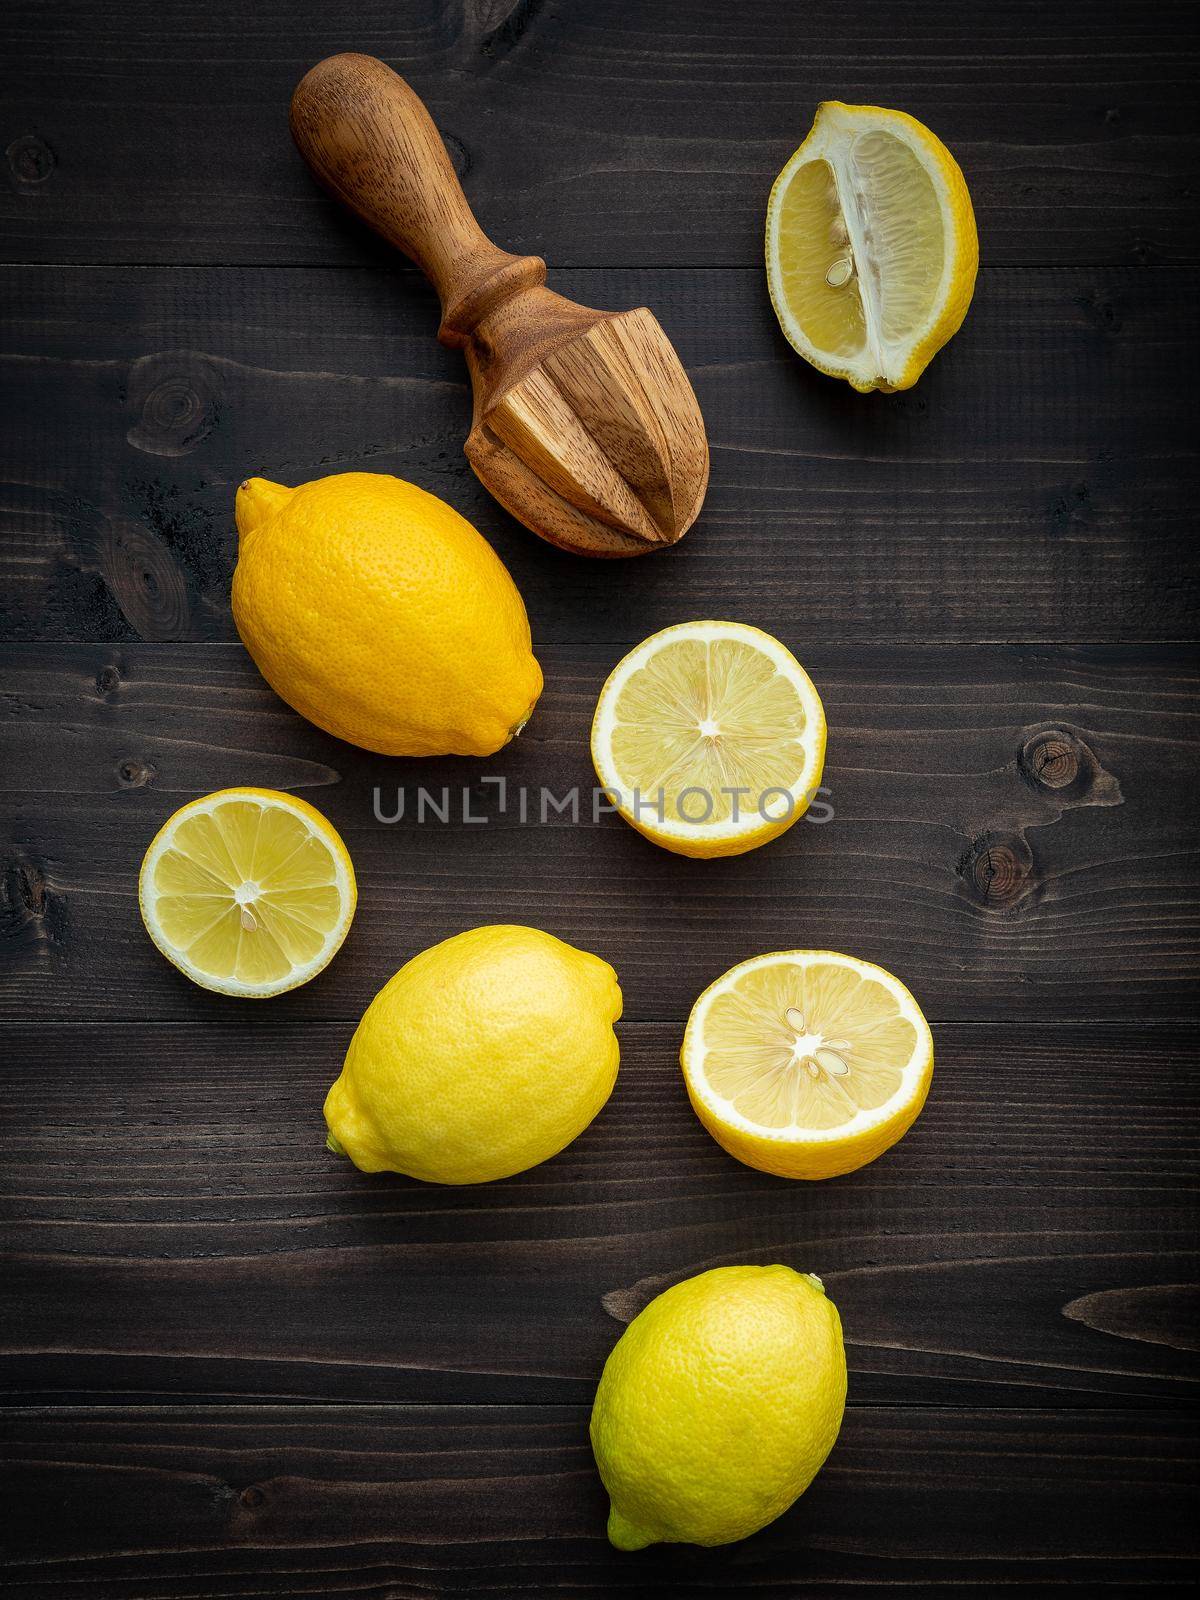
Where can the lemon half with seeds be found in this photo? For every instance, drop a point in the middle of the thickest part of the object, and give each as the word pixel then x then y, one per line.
pixel 248 891
pixel 807 1063
pixel 871 246
pixel 710 738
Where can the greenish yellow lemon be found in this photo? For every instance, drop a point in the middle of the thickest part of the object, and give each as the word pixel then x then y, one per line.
pixel 718 1405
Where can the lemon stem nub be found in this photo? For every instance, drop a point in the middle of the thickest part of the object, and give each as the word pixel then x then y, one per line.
pixel 257 500
pixel 332 1145
pixel 625 1535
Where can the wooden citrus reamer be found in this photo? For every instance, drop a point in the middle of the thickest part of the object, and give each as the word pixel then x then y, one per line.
pixel 585 426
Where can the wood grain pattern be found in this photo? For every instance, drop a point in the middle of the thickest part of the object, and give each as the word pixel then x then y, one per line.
pixel 600 446
pixel 598 134
pixel 503 1501
pixel 1010 825
pixel 233 1366
pixel 1039 484
pixel 1031 1240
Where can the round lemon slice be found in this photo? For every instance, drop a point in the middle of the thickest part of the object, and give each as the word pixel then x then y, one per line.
pixel 247 891
pixel 871 246
pixel 709 738
pixel 806 1063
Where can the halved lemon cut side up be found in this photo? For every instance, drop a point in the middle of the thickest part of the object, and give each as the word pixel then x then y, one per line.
pixel 248 891
pixel 872 250
pixel 709 738
pixel 807 1063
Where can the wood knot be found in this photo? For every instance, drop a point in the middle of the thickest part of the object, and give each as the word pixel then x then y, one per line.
pixel 31 912
pixel 145 580
pixel 1051 759
pixel 136 774
pixel 175 399
pixel 1101 310
pixel 502 23
pixel 1057 761
pixel 460 156
pixel 30 160
pixel 1071 508
pixel 997 870
pixel 30 884
pixel 251 1498
pixel 108 679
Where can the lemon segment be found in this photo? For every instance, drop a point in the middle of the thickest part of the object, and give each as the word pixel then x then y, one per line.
pixel 806 1063
pixel 710 738
pixel 871 246
pixel 247 891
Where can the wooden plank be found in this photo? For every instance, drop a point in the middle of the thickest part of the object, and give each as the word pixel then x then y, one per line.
pixel 505 1501
pixel 1040 484
pixel 1013 831
pixel 597 134
pixel 174 1226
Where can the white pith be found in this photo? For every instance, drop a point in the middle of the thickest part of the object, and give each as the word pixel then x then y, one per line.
pixel 243 895
pixel 832 140
pixel 694 1050
pixel 706 632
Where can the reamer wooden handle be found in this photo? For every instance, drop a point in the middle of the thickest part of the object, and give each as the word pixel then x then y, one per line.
pixel 371 142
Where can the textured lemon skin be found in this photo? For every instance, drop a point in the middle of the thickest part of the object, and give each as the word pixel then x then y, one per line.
pixel 700 848
pixel 718 1405
pixel 380 614
pixel 963 245
pixel 483 1056
pixel 321 825
pixel 814 1159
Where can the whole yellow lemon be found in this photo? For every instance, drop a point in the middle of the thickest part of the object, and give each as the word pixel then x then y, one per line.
pixel 717 1406
pixel 483 1056
pixel 380 614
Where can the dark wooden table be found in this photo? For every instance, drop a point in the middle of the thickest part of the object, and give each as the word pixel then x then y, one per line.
pixel 232 1365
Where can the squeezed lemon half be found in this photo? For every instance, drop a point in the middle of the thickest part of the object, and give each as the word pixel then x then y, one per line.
pixel 710 738
pixel 807 1063
pixel 247 891
pixel 871 246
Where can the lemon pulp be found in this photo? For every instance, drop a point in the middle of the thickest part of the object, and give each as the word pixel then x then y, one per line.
pixel 710 737
pixel 248 891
